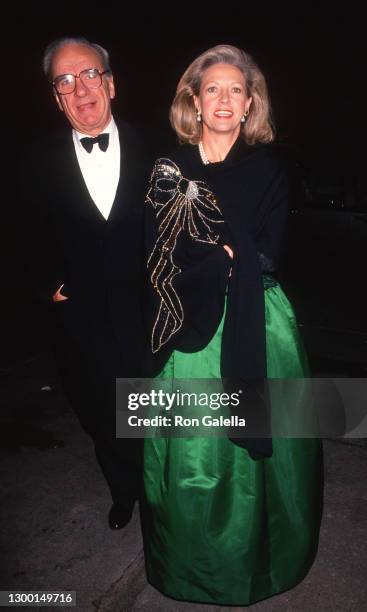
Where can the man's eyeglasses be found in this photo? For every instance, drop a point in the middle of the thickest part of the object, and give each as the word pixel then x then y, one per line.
pixel 66 83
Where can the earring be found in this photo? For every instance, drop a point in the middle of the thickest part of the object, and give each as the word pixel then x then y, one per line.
pixel 198 116
pixel 244 117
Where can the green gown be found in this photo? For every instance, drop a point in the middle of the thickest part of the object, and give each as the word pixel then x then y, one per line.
pixel 220 527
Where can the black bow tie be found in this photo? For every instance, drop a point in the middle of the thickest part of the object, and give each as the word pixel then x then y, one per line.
pixel 102 140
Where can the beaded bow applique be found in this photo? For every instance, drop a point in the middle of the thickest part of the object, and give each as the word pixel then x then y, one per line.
pixel 180 205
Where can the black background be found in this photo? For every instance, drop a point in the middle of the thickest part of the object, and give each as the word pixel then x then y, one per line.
pixel 312 54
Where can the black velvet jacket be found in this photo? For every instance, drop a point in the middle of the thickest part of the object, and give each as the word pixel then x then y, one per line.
pixel 192 211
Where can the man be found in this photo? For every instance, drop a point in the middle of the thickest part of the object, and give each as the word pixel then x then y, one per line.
pixel 87 189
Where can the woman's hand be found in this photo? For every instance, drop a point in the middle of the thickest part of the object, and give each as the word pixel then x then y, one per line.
pixel 58 296
pixel 229 250
pixel 230 253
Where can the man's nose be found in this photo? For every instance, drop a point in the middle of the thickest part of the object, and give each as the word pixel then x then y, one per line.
pixel 80 88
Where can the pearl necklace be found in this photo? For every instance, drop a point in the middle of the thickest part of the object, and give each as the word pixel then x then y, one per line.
pixel 203 156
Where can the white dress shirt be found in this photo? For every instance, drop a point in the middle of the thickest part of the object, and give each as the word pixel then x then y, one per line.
pixel 100 169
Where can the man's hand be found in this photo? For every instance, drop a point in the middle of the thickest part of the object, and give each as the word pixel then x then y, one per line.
pixel 58 296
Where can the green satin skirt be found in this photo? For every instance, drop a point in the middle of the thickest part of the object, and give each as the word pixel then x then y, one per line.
pixel 219 527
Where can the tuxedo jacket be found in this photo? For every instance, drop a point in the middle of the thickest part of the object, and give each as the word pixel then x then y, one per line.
pixel 99 261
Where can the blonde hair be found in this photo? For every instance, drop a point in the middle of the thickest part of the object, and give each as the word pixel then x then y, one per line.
pixel 258 127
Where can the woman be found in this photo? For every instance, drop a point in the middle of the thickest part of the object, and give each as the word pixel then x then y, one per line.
pixel 226 521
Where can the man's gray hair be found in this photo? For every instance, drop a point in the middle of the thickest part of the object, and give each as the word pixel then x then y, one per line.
pixel 57 44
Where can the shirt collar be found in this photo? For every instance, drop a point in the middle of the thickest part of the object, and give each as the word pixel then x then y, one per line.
pixel 110 129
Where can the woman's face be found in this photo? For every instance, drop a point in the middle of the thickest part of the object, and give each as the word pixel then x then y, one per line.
pixel 222 100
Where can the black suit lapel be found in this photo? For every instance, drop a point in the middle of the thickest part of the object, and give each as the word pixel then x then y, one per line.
pixel 71 185
pixel 133 171
pixel 72 197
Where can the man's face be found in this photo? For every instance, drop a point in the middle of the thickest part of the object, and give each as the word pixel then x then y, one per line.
pixel 88 110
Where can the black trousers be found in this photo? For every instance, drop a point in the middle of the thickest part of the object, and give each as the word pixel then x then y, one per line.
pixel 89 360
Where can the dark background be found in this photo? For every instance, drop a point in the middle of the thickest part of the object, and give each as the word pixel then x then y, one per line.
pixel 313 56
